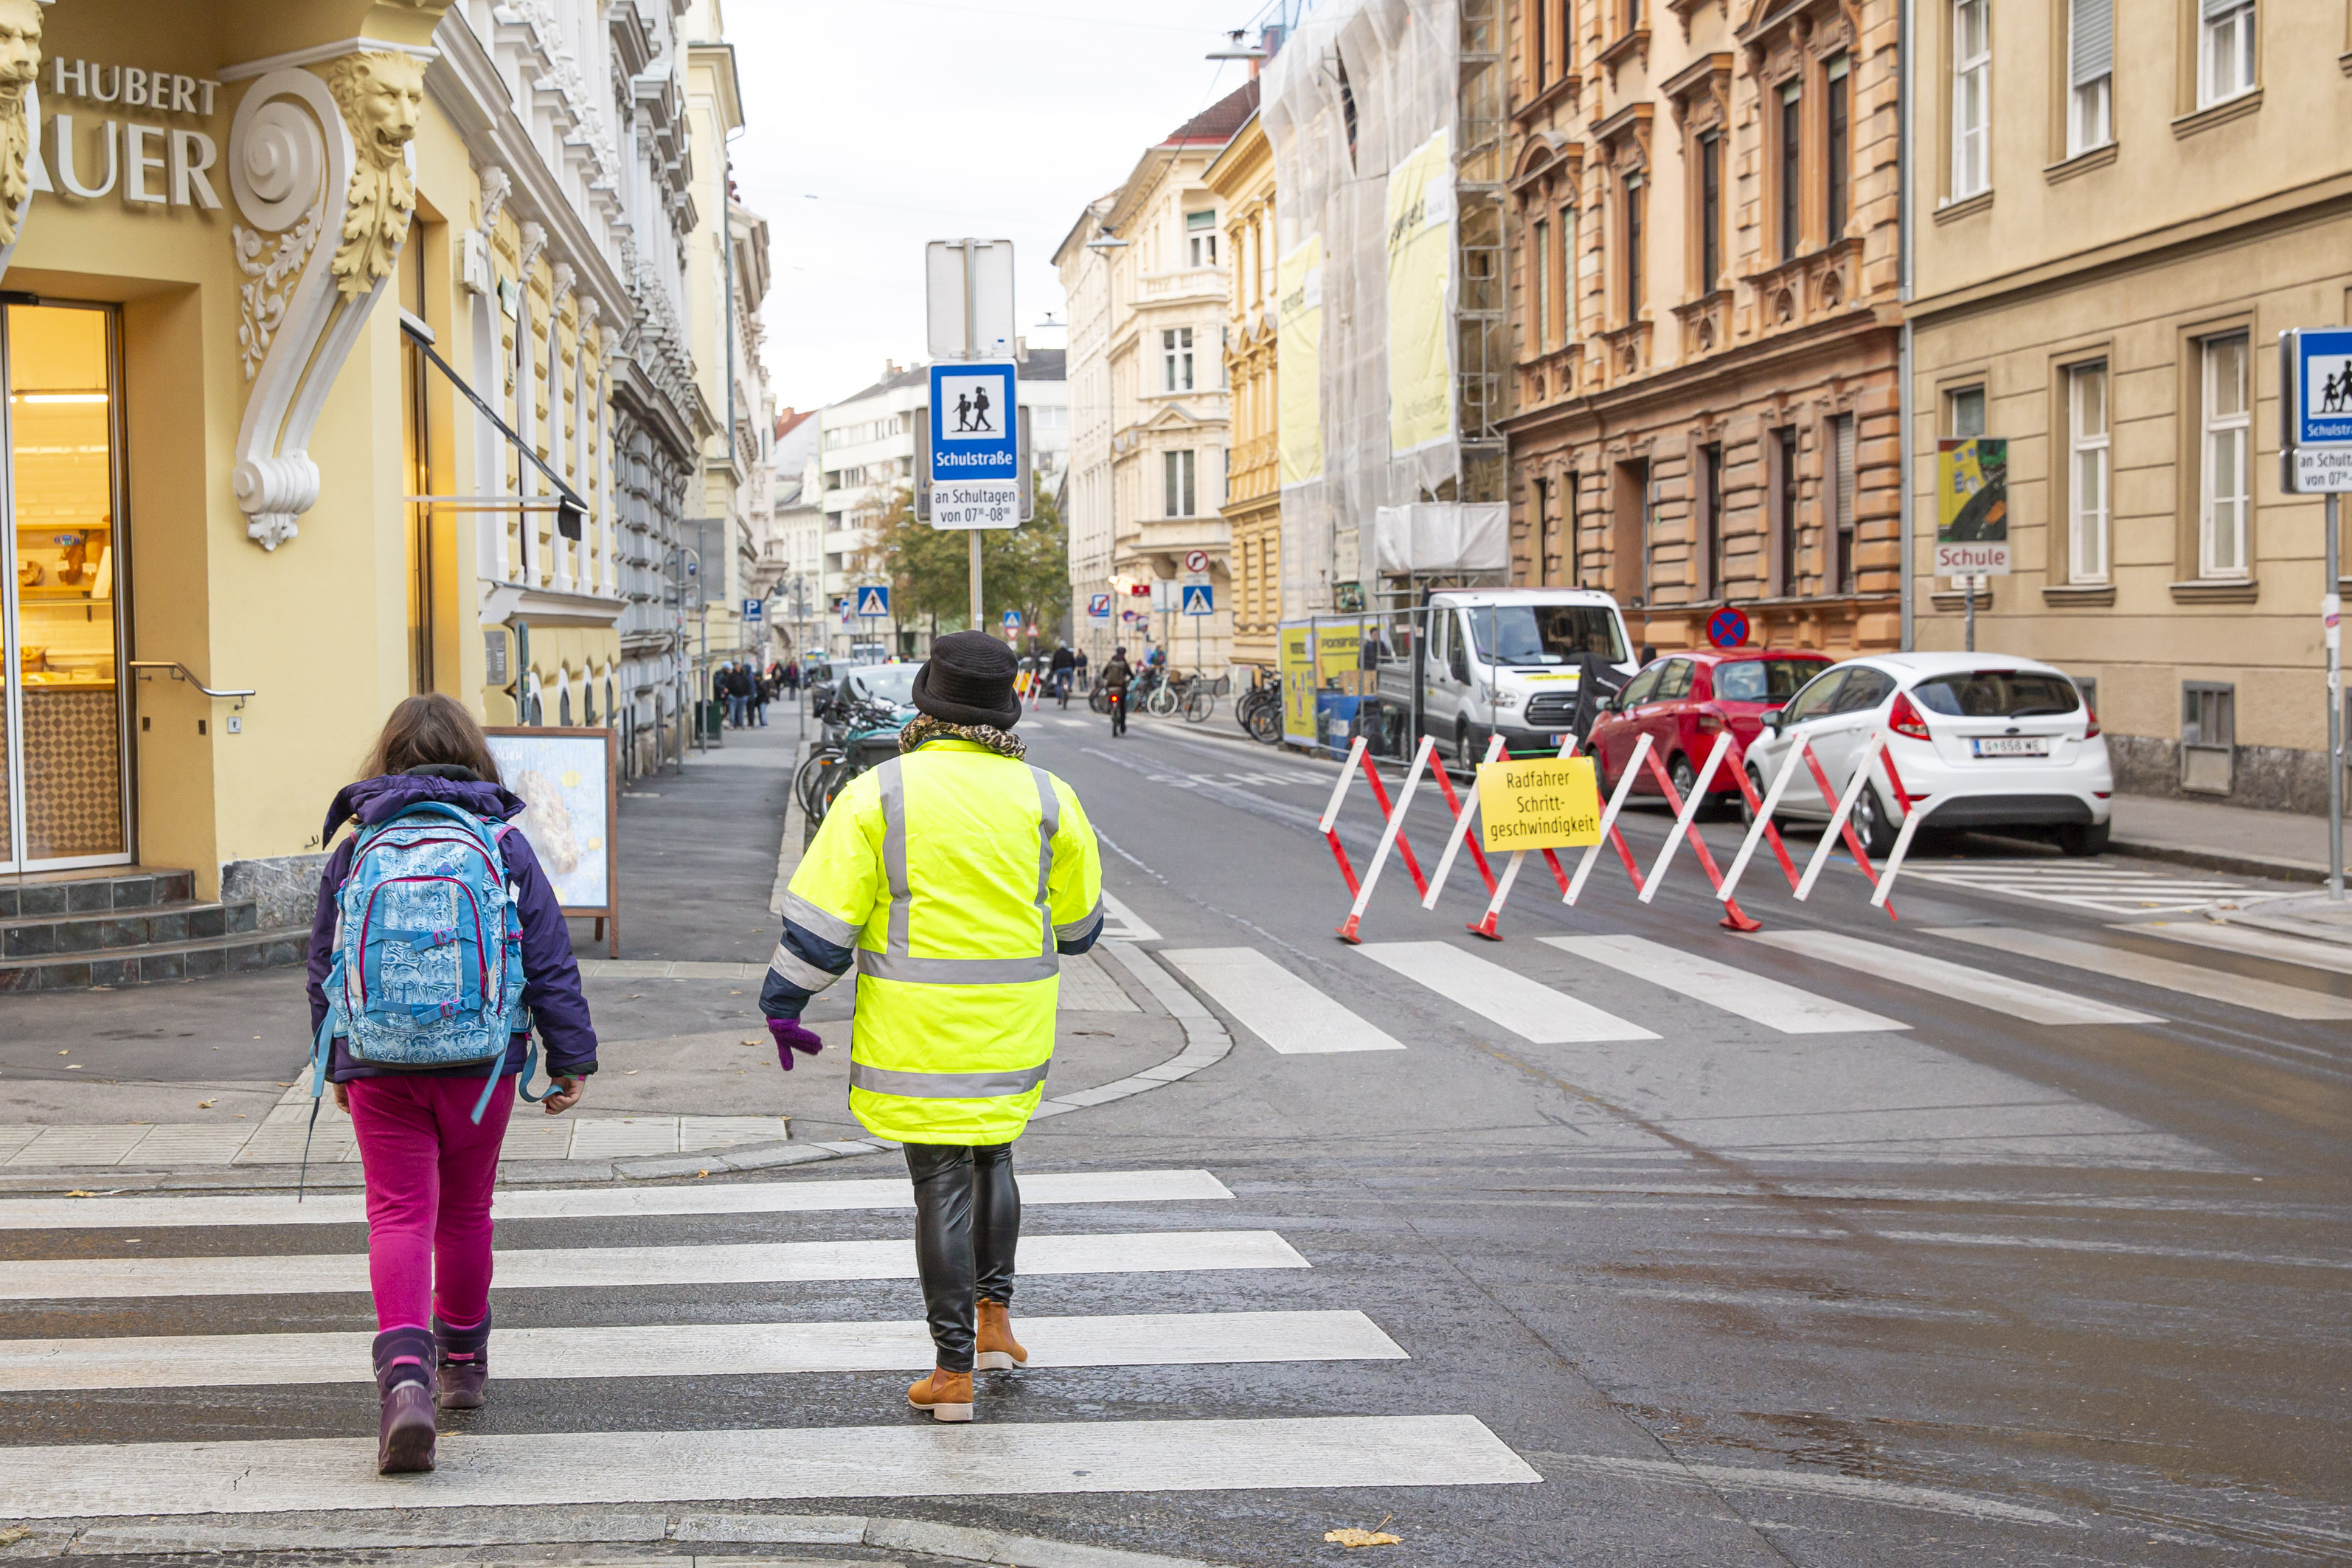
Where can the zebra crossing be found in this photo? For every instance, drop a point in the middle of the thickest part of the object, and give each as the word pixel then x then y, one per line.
pixel 1191 1277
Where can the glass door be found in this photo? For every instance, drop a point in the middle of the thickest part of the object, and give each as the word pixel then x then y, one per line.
pixel 66 780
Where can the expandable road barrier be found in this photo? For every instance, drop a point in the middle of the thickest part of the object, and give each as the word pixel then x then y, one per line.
pixel 1840 823
pixel 1726 752
pixel 1392 829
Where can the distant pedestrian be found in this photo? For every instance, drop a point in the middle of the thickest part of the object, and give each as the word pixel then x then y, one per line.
pixel 792 676
pixel 739 695
pixel 938 873
pixel 1117 678
pixel 761 689
pixel 429 1135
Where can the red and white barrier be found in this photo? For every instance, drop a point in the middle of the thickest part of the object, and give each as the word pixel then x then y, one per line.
pixel 1726 752
pixel 1840 824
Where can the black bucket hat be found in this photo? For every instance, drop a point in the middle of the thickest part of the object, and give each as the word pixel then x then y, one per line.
pixel 968 679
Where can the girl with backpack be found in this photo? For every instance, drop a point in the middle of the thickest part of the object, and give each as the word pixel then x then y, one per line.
pixel 438 947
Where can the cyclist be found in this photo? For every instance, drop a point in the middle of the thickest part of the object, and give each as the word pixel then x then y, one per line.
pixel 1116 676
pixel 1064 663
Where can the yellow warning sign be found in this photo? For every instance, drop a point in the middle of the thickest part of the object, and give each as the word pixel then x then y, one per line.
pixel 1546 803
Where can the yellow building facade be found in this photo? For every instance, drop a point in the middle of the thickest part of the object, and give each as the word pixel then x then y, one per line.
pixel 1242 178
pixel 2117 209
pixel 337 368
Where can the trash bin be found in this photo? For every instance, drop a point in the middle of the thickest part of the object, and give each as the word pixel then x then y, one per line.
pixel 713 721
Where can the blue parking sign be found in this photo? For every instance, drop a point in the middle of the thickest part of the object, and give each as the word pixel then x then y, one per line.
pixel 1098 607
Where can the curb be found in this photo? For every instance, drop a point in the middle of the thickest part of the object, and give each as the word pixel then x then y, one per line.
pixel 2228 862
pixel 313 1533
pixel 1206 1043
pixel 788 853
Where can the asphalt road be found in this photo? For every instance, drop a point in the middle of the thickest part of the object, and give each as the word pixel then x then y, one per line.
pixel 1872 1274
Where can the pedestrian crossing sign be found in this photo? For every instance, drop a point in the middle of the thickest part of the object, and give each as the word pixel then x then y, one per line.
pixel 873 601
pixel 1200 599
pixel 1012 620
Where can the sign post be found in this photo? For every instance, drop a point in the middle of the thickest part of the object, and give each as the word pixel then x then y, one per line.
pixel 2315 396
pixel 975 465
pixel 1972 515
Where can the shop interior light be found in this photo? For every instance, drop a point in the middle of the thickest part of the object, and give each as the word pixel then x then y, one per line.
pixel 61 396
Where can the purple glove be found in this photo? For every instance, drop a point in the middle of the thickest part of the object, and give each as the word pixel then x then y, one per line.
pixel 791 1038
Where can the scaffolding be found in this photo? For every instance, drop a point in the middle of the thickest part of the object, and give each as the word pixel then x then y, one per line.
pixel 1363 98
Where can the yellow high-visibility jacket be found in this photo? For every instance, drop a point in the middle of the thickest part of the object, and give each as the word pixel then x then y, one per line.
pixel 953 879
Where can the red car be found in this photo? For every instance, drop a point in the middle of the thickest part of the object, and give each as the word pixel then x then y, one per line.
pixel 1684 701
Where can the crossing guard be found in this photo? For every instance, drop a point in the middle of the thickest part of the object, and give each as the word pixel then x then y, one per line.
pixel 953 876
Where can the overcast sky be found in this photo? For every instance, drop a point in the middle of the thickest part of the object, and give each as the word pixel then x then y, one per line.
pixel 874 126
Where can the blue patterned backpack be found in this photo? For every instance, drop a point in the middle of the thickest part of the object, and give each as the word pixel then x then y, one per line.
pixel 427 951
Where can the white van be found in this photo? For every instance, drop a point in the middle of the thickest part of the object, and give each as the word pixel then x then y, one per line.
pixel 1509 660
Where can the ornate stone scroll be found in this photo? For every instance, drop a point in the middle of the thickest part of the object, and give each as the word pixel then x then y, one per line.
pixel 20 65
pixel 311 153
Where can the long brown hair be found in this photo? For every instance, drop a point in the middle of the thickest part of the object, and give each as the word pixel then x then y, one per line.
pixel 430 727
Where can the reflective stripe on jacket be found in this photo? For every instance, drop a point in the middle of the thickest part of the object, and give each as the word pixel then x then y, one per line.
pixel 953 877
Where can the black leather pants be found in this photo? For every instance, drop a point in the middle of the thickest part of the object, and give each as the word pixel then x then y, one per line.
pixel 967 1226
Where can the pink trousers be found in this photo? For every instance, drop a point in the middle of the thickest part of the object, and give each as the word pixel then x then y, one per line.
pixel 429 1173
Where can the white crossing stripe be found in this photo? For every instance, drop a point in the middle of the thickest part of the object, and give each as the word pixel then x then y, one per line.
pixel 1123 924
pixel 601 1203
pixel 1532 1010
pixel 902 1459
pixel 595 1267
pixel 1770 1003
pixel 1285 1012
pixel 1980 987
pixel 2214 984
pixel 2253 942
pixel 695 1350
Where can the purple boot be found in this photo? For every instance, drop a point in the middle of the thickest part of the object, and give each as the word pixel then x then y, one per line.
pixel 405 1444
pixel 465 1364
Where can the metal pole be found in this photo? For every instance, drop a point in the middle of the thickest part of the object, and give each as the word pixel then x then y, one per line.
pixel 1969 601
pixel 2335 710
pixel 971 248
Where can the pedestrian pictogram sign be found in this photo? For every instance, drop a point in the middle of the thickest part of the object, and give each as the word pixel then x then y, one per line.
pixel 975 454
pixel 873 601
pixel 1012 620
pixel 1200 599
pixel 1098 606
pixel 1728 627
pixel 2316 392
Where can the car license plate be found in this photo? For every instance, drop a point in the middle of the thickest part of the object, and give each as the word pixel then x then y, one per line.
pixel 2013 745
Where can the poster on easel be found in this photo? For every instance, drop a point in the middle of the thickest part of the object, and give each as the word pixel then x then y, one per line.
pixel 569 780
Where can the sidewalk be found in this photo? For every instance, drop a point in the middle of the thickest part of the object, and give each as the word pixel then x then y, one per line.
pixel 205 1082
pixel 2219 838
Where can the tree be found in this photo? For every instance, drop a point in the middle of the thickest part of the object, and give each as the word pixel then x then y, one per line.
pixel 1026 569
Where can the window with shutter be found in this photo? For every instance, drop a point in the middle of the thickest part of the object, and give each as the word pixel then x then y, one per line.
pixel 2090 74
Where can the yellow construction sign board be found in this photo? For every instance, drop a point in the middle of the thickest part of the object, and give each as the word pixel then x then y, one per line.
pixel 1546 802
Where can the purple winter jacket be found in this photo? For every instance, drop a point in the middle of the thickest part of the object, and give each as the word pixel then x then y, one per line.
pixel 550 984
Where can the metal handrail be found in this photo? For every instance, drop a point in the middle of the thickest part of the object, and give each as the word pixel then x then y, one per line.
pixel 182 672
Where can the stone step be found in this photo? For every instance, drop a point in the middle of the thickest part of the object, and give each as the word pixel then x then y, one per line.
pixel 235 952
pixel 44 936
pixel 76 892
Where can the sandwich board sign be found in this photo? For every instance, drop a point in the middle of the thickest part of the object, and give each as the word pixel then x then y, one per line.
pixel 975 457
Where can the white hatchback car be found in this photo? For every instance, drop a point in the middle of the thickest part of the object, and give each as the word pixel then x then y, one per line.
pixel 1982 741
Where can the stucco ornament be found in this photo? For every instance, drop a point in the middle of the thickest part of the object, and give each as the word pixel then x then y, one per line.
pixel 313 154
pixel 20 64
pixel 381 94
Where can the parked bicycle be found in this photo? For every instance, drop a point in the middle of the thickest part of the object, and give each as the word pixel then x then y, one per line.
pixel 1259 711
pixel 864 734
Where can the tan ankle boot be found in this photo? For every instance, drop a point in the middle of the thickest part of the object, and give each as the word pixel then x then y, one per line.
pixel 995 1349
pixel 946 1394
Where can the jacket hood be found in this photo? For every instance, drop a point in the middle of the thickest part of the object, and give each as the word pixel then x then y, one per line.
pixel 379 799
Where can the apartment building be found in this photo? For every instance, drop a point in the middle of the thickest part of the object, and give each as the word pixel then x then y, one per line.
pixel 1242 178
pixel 1704 227
pixel 2117 208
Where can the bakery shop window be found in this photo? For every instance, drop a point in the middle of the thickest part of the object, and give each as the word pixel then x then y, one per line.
pixel 65 779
